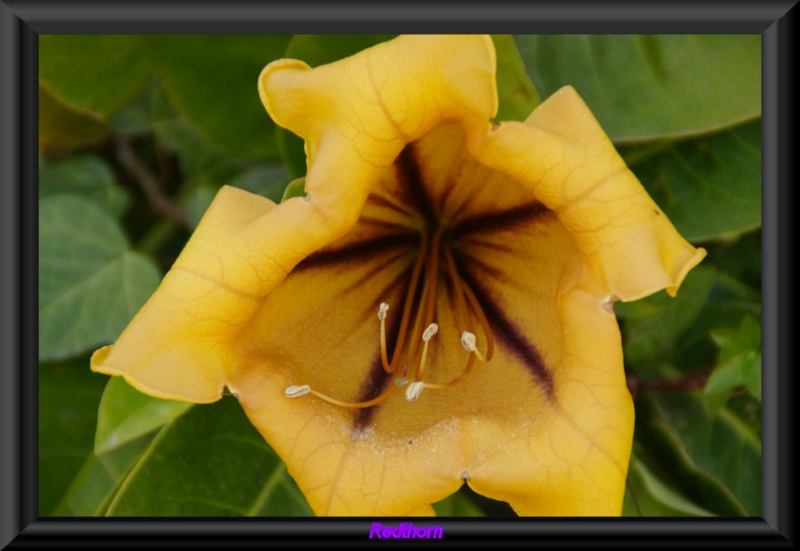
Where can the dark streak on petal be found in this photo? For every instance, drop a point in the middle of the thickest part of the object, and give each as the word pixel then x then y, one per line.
pixel 490 270
pixel 357 252
pixel 494 245
pixel 506 331
pixel 409 172
pixel 500 220
pixel 383 226
pixel 379 201
pixel 358 285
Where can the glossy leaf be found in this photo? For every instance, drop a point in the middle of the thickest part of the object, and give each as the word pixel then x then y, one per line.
pixel 457 505
pixel 728 303
pixel 318 49
pixel 208 462
pixel 653 325
pixel 126 414
pixel 211 80
pixel 648 496
pixel 516 93
pixel 674 433
pixel 267 179
pixel 94 73
pixel 710 187
pixel 197 203
pixel 90 283
pixel 68 395
pixel 296 188
pixel 644 87
pixel 739 360
pixel 719 443
pixel 61 127
pixel 85 175
pixel 197 158
pixel 100 478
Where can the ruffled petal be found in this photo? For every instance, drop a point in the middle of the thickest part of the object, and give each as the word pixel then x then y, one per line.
pixel 562 154
pixel 363 110
pixel 181 344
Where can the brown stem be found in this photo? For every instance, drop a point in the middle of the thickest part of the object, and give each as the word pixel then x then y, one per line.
pixel 687 383
pixel 149 184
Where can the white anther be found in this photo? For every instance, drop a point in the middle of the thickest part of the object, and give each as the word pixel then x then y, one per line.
pixel 430 332
pixel 414 390
pixel 382 311
pixel 295 391
pixel 468 341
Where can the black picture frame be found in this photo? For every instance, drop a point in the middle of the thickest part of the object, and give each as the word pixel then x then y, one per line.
pixel 22 21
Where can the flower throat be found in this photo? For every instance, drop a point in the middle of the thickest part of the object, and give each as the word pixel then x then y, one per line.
pixel 434 259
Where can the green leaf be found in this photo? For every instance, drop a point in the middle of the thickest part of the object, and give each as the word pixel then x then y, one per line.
pixel 196 156
pixel 652 326
pixel 457 505
pixel 729 302
pixel 644 87
pixel 296 188
pixel 269 180
pixel 63 127
pixel 85 175
pixel 660 445
pixel 739 360
pixel 198 202
pixel 744 341
pixel 68 396
pixel 710 188
pixel 212 81
pixel 648 495
pixel 516 93
pixel 720 444
pixel 90 284
pixel 740 260
pixel 126 414
pixel 292 150
pixel 319 49
pixel 209 462
pixel 96 74
pixel 99 479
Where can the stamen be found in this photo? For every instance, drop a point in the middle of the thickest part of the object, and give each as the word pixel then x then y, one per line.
pixel 463 300
pixel 427 335
pixel 454 382
pixel 476 306
pixel 469 343
pixel 427 303
pixel 414 390
pixel 382 309
pixel 384 356
pixel 412 290
pixel 295 391
pixel 430 332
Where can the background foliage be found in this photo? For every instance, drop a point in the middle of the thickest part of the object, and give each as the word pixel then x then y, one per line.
pixel 137 133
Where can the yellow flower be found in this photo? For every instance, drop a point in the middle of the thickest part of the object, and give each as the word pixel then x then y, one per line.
pixel 437 309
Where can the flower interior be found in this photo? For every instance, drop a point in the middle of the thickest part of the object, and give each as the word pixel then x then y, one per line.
pixel 445 272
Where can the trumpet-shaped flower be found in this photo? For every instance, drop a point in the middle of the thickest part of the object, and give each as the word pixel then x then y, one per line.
pixel 438 309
